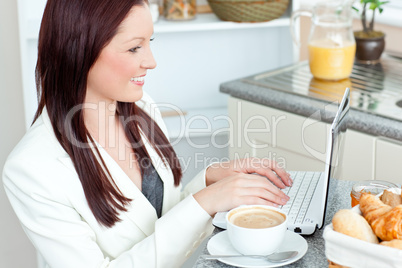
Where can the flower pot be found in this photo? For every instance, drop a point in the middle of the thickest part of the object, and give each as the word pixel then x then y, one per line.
pixel 369 49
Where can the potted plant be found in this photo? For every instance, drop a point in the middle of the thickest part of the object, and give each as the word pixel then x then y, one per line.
pixel 369 43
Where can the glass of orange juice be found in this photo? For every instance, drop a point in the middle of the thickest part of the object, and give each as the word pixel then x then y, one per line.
pixel 329 60
pixel 331 44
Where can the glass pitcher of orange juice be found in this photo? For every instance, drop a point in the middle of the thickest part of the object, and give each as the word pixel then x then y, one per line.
pixel 331 44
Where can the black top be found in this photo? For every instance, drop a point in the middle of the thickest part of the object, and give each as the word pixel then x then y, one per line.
pixel 152 188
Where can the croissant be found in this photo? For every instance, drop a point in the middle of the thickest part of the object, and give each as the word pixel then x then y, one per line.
pixel 372 207
pixel 385 221
pixel 395 243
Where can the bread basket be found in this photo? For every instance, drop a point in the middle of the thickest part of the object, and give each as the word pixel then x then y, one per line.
pixel 348 251
pixel 248 10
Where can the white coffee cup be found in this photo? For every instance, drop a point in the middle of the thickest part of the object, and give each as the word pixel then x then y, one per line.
pixel 256 229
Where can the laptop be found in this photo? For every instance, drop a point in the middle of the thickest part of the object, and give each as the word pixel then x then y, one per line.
pixel 309 193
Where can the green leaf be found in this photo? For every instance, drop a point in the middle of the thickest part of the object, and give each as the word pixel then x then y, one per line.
pixel 371 5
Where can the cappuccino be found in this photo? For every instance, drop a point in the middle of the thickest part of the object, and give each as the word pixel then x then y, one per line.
pixel 256 218
pixel 256 229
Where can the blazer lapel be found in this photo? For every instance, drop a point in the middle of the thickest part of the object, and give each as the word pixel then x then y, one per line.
pixel 140 211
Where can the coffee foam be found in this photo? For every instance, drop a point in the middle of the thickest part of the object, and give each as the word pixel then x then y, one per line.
pixel 256 218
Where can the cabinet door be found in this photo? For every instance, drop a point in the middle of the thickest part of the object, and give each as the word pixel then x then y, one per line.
pixel 358 158
pixel 388 164
pixel 295 142
pixel 299 143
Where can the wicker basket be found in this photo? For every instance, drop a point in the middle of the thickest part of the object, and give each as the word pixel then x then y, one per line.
pixel 248 10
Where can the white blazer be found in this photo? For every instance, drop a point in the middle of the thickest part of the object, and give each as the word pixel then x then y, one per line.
pixel 47 196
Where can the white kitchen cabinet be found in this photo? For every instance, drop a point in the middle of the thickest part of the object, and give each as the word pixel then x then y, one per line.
pixel 388 160
pixel 299 143
pixel 266 132
pixel 358 161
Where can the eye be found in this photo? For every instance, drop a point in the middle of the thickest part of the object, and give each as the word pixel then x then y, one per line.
pixel 134 49
pixel 152 39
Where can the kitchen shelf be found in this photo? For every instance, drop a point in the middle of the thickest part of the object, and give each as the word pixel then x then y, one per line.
pixel 202 22
pixel 209 21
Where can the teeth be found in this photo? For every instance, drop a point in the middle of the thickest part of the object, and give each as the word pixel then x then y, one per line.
pixel 137 79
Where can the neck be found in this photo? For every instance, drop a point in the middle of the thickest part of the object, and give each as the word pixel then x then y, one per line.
pixel 101 121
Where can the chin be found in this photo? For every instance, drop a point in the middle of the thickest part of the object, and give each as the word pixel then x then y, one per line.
pixel 140 95
pixel 133 97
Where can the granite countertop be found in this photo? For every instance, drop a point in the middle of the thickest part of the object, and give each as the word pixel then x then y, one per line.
pixel 359 120
pixel 338 198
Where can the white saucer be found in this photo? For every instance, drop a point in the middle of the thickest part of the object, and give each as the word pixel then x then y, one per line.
pixel 220 220
pixel 219 244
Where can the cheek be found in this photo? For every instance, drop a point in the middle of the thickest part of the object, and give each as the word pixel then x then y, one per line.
pixel 111 71
pixel 120 67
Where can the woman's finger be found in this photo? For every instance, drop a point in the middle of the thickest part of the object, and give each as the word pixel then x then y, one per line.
pixel 269 169
pixel 252 200
pixel 267 164
pixel 265 195
pixel 259 182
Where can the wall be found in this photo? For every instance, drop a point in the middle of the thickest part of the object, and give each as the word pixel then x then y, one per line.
pixel 15 248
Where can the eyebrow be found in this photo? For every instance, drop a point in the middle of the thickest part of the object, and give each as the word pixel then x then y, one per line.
pixel 134 38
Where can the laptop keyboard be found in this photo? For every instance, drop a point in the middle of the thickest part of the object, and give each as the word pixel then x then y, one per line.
pixel 301 193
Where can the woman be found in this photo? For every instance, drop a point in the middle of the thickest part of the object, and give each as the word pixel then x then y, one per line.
pixel 95 182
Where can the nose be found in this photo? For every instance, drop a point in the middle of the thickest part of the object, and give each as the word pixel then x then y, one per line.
pixel 149 61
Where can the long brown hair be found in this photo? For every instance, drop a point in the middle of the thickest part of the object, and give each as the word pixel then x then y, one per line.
pixel 72 35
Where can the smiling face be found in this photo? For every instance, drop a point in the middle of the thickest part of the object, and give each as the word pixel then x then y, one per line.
pixel 119 72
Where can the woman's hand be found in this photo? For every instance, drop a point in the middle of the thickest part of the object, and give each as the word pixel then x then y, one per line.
pixel 250 181
pixel 239 189
pixel 264 167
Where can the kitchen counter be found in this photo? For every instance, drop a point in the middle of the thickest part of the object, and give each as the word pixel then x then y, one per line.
pixel 373 110
pixel 339 198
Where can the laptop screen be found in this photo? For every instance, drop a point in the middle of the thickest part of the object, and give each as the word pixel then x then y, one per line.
pixel 335 146
pixel 338 130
